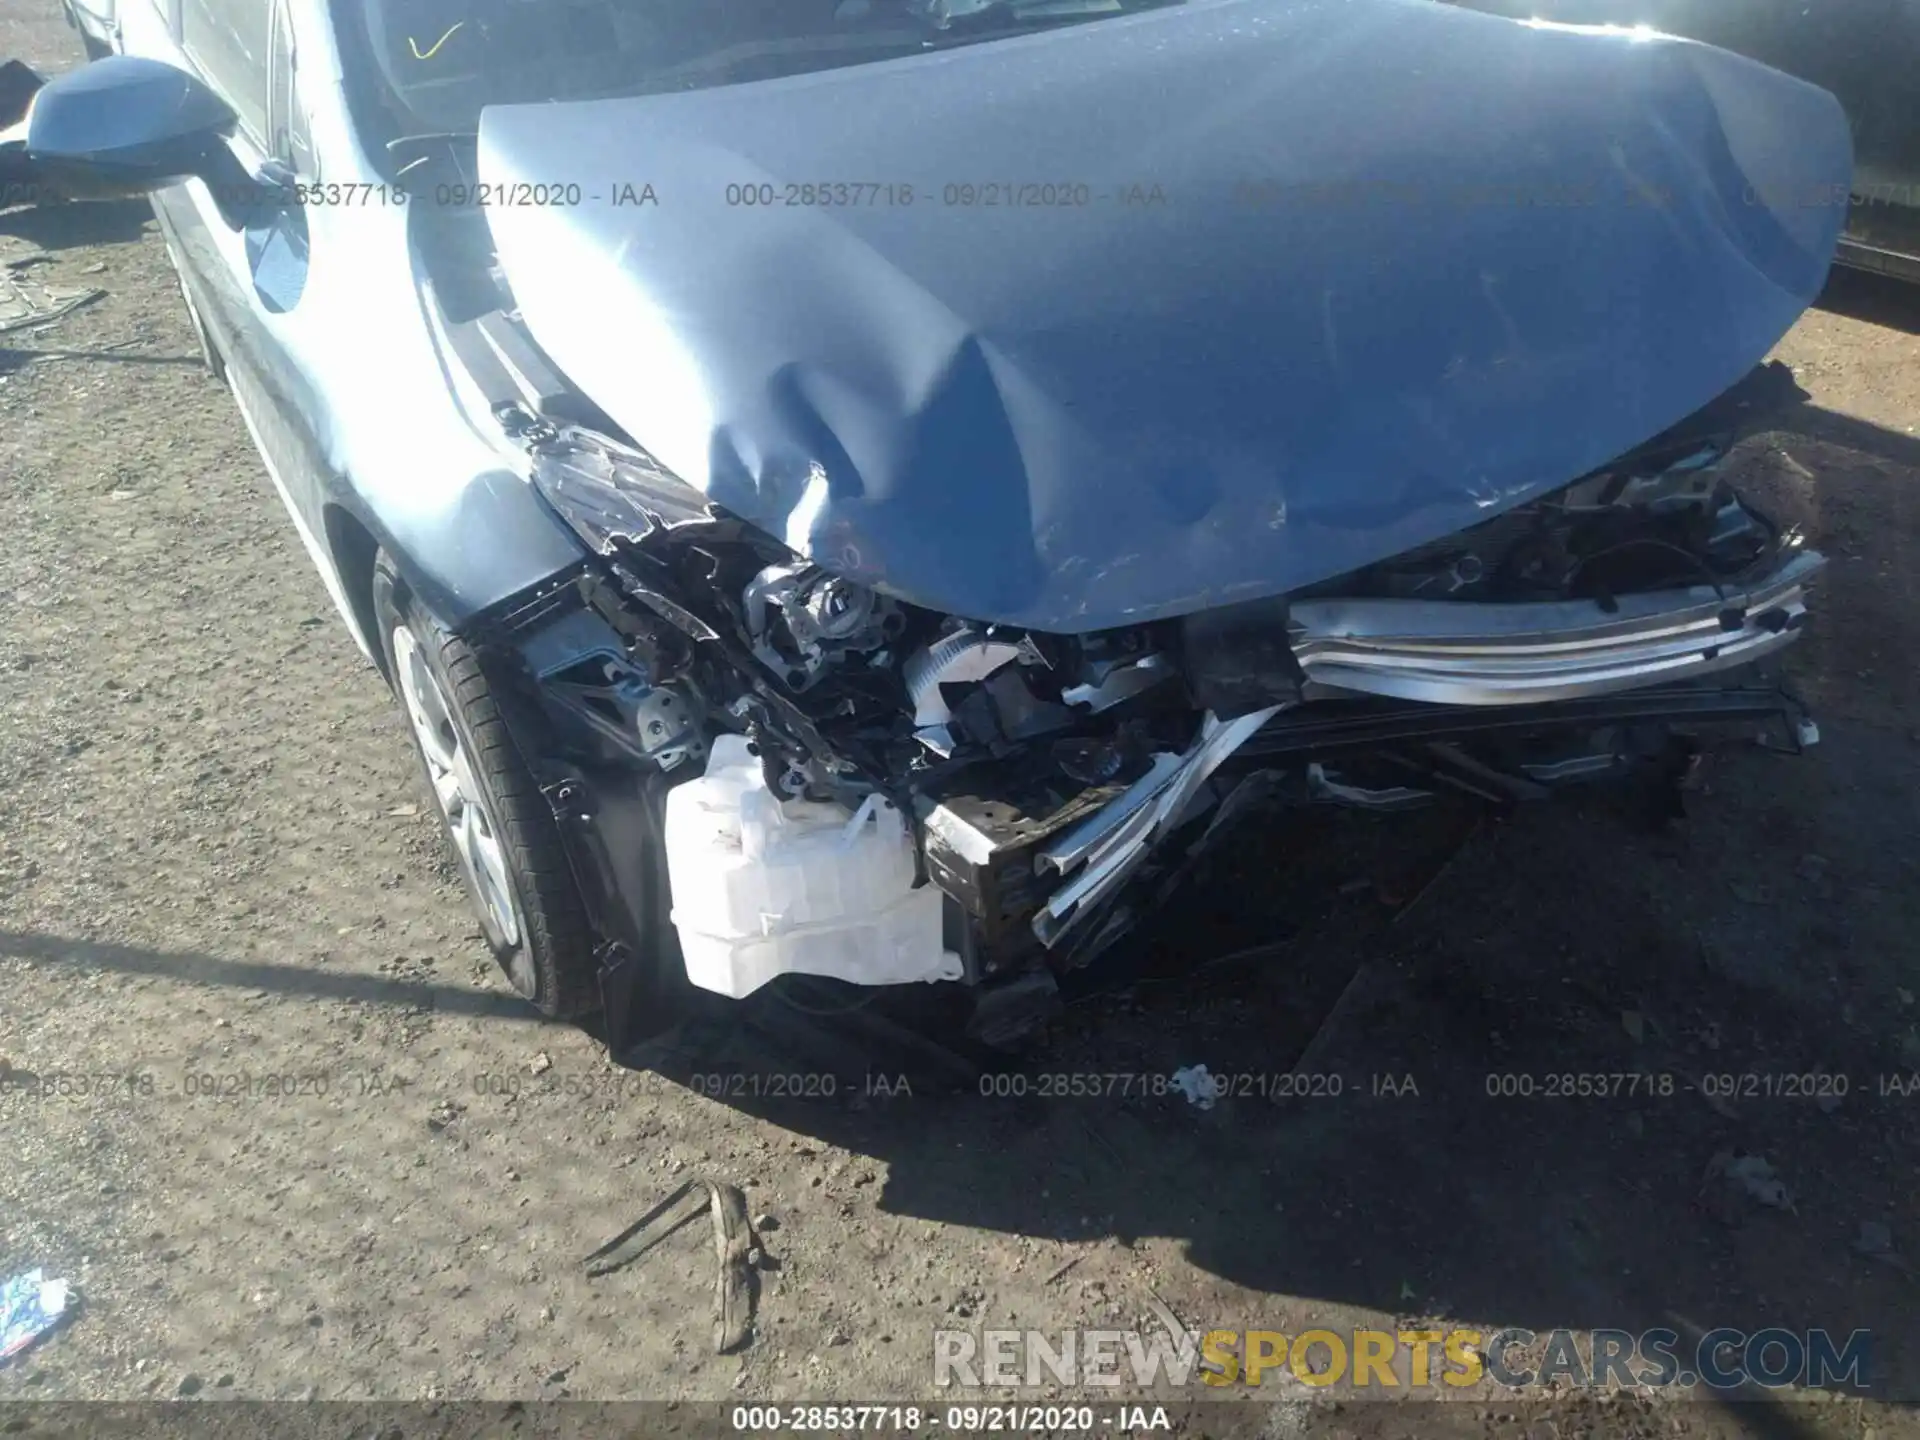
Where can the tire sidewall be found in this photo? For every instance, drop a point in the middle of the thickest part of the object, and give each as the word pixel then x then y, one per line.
pixel 393 605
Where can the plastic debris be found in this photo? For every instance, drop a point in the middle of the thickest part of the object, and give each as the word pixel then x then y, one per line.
pixel 30 1306
pixel 1194 1082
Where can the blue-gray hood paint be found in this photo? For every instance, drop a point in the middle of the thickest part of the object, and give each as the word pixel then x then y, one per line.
pixel 1408 266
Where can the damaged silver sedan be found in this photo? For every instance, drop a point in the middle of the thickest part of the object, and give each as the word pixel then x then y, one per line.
pixel 858 487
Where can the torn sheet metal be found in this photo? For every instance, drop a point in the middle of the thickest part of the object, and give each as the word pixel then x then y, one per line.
pixel 1114 840
pixel 1187 307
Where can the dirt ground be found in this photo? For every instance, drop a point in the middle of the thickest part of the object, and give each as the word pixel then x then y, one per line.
pixel 215 863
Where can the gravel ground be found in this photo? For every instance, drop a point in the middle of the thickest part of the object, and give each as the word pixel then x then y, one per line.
pixel 215 863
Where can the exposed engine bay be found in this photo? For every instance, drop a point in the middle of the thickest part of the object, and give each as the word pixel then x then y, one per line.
pixel 1031 778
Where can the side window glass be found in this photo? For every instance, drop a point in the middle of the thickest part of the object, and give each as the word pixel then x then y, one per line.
pixel 287 122
pixel 227 39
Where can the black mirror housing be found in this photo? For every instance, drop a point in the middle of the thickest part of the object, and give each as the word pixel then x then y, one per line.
pixel 125 125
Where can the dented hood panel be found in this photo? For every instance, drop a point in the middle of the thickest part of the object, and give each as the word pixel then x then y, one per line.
pixel 1344 277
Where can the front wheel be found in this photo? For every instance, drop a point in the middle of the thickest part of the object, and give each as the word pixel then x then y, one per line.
pixel 501 830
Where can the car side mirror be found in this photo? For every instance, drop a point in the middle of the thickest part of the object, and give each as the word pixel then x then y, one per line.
pixel 125 125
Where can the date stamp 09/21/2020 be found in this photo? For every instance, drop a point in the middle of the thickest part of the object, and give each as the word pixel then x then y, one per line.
pixel 1823 1089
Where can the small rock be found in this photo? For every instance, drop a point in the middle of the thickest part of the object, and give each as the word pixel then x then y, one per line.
pixel 540 1064
pixel 1751 1175
pixel 443 1114
pixel 189 1385
pixel 768 1223
pixel 225 1382
pixel 1874 1238
pixel 839 1337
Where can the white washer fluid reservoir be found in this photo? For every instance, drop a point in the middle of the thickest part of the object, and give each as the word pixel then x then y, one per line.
pixel 765 887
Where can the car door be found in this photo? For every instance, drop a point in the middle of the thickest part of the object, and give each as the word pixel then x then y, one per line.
pixel 245 267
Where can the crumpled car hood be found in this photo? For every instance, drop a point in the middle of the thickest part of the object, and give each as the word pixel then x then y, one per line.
pixel 1268 290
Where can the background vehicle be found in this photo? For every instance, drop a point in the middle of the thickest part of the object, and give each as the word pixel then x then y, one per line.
pixel 1866 52
pixel 974 550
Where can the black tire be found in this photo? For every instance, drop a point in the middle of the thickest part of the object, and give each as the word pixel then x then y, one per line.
pixel 551 959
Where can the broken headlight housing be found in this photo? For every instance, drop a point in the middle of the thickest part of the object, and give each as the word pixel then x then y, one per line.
pixel 607 492
pixel 798 620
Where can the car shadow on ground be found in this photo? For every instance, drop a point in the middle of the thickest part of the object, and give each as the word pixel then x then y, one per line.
pixel 69 226
pixel 1877 299
pixel 303 981
pixel 1440 990
pixel 1524 1093
pixel 1444 1171
pixel 1819 423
